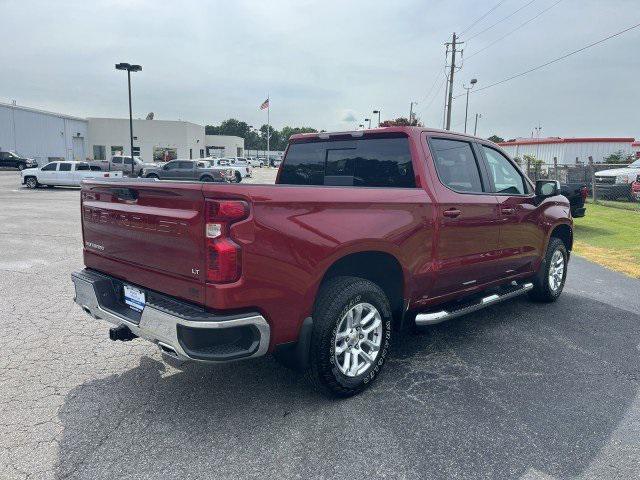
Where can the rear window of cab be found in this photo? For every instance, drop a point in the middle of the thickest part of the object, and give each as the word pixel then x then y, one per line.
pixel 364 162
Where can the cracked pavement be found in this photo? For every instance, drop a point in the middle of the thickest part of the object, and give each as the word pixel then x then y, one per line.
pixel 519 390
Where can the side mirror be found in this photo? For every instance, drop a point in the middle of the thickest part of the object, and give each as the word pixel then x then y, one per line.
pixel 547 188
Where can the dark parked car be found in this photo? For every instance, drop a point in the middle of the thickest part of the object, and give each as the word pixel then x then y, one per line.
pixel 200 170
pixel 12 160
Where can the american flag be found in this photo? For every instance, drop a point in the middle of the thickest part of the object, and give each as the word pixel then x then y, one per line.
pixel 265 104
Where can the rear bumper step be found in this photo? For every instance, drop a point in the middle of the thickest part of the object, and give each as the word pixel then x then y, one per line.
pixel 431 318
pixel 179 329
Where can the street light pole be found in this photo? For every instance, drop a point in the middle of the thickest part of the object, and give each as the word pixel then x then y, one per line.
pixel 130 68
pixel 466 109
pixel 378 112
pixel 368 120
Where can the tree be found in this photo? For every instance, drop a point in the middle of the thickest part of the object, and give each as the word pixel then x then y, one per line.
pixel 229 127
pixel 288 131
pixel 256 139
pixel 401 122
pixel 495 139
pixel 619 157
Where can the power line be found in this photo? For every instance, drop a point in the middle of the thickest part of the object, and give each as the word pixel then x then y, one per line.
pixel 513 31
pixel 501 20
pixel 566 55
pixel 482 17
pixel 435 93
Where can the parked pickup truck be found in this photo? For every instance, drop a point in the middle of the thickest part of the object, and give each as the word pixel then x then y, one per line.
pixel 363 232
pixel 576 193
pixel 13 160
pixel 200 170
pixel 616 182
pixel 120 163
pixel 63 174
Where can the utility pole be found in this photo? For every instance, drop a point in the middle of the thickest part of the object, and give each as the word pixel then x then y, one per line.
pixel 411 112
pixel 475 128
pixel 538 130
pixel 454 43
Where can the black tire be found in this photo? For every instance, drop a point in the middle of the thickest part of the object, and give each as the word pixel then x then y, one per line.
pixel 238 177
pixel 31 182
pixel 21 166
pixel 152 175
pixel 334 301
pixel 206 178
pixel 542 289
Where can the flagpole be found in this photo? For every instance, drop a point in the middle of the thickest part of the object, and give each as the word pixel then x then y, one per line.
pixel 268 129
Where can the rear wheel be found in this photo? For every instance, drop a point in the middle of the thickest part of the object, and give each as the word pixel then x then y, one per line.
pixel 21 166
pixel 31 182
pixel 238 177
pixel 351 335
pixel 206 178
pixel 152 175
pixel 549 282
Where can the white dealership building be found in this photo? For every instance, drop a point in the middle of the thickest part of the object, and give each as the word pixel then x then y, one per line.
pixel 47 136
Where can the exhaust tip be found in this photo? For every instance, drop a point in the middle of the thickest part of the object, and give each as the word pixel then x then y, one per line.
pixel 122 333
pixel 168 349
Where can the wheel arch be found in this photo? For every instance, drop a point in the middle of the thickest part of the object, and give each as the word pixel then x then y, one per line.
pixel 564 232
pixel 378 266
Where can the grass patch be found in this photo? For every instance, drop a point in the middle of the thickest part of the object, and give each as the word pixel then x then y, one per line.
pixel 609 236
pixel 635 206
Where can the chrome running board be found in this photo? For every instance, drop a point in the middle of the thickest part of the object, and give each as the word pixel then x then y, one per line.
pixel 431 318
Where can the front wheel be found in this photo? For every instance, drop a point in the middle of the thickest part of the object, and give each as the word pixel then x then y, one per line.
pixel 238 177
pixel 21 166
pixel 351 335
pixel 152 175
pixel 549 282
pixel 31 182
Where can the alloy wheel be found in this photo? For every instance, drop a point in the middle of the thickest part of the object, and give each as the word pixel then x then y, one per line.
pixel 556 270
pixel 358 339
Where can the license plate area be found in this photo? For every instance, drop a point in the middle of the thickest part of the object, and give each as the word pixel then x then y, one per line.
pixel 134 297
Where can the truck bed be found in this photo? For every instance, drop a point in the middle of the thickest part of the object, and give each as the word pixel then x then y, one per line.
pixel 153 235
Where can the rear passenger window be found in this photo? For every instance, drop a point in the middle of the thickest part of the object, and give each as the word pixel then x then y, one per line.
pixel 370 162
pixel 456 165
pixel 65 167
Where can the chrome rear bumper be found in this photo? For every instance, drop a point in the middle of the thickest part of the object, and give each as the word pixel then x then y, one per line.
pixel 180 330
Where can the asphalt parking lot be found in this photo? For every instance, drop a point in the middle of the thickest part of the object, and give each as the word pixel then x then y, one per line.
pixel 519 390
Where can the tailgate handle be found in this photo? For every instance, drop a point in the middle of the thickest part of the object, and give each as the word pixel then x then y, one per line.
pixel 127 194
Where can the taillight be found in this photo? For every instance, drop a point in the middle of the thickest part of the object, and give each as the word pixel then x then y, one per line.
pixel 584 192
pixel 224 256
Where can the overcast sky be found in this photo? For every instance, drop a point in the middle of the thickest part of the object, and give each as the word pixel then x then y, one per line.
pixel 326 64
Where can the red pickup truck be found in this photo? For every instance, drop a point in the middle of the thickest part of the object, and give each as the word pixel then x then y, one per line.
pixel 363 231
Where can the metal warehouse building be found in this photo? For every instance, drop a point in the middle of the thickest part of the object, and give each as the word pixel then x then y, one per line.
pixel 41 135
pixel 568 150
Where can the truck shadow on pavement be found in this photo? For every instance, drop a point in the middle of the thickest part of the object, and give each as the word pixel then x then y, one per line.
pixel 517 389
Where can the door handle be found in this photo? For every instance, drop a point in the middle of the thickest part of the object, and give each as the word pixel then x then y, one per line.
pixel 452 213
pixel 507 211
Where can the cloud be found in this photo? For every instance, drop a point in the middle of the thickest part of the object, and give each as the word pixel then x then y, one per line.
pixel 206 61
pixel 348 116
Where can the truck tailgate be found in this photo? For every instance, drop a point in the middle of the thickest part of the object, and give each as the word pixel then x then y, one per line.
pixel 147 233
